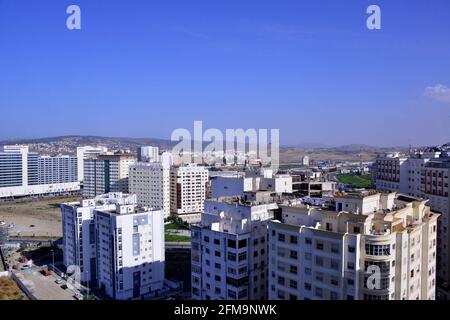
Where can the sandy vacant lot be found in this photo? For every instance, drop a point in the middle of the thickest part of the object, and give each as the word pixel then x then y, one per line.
pixel 41 218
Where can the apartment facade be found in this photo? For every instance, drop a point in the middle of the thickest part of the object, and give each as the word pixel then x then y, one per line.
pixel 229 250
pixel 86 152
pixel 436 188
pixel 106 173
pixel 130 252
pixel 59 169
pixel 381 252
pixel 151 183
pixel 24 173
pixel 426 175
pixel 189 187
pixel 117 245
pixel 148 154
pixel 79 231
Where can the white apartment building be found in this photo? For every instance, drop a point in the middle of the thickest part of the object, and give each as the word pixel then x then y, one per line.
pixel 435 187
pixel 151 183
pixel 425 175
pixel 84 153
pixel 118 245
pixel 79 231
pixel 130 252
pixel 106 173
pixel 383 248
pixel 24 173
pixel 188 191
pixel 226 184
pixel 59 169
pixel 148 154
pixel 229 249
pixel 400 173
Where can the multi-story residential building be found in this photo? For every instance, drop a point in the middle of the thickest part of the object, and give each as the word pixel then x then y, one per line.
pixel 225 184
pixel 402 173
pixel 148 154
pixel 130 251
pixel 60 169
pixel 84 153
pixel 388 170
pixel 435 187
pixel 425 175
pixel 229 248
pixel 24 173
pixel 118 245
pixel 106 173
pixel 188 191
pixel 151 183
pixel 79 231
pixel 381 247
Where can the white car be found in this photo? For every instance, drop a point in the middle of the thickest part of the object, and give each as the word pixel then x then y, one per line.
pixel 78 296
pixel 59 281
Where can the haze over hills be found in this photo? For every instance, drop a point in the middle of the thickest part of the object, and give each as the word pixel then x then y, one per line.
pixel 316 151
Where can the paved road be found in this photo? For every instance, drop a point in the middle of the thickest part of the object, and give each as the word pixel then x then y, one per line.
pixel 45 288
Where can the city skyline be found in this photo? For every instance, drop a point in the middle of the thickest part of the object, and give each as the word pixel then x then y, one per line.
pixel 300 67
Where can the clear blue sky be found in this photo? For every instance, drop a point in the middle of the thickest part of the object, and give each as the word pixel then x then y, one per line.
pixel 311 68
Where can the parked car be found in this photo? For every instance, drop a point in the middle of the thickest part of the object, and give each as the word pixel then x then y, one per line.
pixel 78 296
pixel 59 281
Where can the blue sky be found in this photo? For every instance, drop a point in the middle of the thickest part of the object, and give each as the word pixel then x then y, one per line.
pixel 311 68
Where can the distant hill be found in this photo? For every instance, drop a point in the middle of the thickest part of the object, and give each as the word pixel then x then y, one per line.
pixel 316 151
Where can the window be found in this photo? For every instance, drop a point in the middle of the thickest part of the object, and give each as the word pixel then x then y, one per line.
pixel 319 292
pixel 294 255
pixel 378 250
pixel 293 284
pixel 308 241
pixel 307 286
pixel 351 249
pixel 242 243
pixel 319 261
pixel 281 237
pixel 334 248
pixel 231 243
pixel 319 246
pixel 217 241
pixel 293 269
pixel 206 239
pixel 294 239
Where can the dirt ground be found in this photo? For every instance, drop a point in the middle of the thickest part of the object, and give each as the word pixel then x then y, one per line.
pixel 37 218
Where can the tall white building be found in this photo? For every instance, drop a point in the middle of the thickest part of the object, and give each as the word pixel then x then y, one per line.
pixel 229 249
pixel 106 173
pixel 305 161
pixel 130 252
pixel 188 191
pixel 383 247
pixel 148 154
pixel 24 173
pixel 436 188
pixel 151 183
pixel 58 169
pixel 84 153
pixel 79 231
pixel 118 245
pixel 423 174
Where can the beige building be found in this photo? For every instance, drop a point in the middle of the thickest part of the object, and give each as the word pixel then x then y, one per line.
pixel 151 184
pixel 382 248
pixel 188 190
